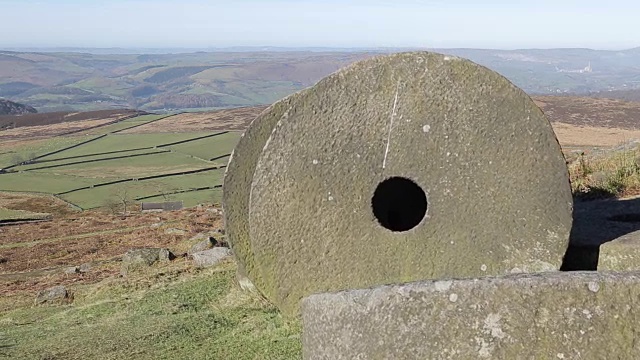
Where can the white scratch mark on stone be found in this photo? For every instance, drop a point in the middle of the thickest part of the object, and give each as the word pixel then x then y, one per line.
pixel 492 326
pixel 315 162
pixel 594 286
pixel 483 267
pixel 426 128
pixel 393 115
pixel 453 297
pixel 485 348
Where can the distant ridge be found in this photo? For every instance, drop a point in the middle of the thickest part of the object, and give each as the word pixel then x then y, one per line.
pixel 13 108
pixel 267 48
pixel 170 80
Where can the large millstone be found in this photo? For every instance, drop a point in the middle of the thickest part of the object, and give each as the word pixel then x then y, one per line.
pixel 237 183
pixel 398 168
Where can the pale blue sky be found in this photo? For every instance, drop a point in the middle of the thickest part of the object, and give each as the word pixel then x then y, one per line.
pixel 602 24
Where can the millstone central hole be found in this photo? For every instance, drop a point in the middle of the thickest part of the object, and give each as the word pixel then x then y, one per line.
pixel 399 204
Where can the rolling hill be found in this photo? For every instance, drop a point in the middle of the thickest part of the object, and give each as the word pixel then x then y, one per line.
pixel 199 80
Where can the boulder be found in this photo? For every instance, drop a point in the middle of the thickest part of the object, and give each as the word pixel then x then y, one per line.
pixel 85 267
pixel 53 295
pixel 137 258
pixel 72 270
pixel 211 257
pixel 208 243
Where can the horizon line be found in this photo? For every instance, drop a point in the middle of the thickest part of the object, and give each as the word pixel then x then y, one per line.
pixel 307 48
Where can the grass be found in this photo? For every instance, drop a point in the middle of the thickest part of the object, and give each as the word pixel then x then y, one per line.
pixel 611 174
pixel 124 124
pixel 8 214
pixel 210 147
pixel 13 152
pixel 72 160
pixel 165 313
pixel 99 196
pixel 71 175
pixel 118 142
pixel 135 167
pixel 114 87
pixel 192 198
pixel 40 182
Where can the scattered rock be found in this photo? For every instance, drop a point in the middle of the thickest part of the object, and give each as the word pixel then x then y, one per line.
pixel 208 243
pixel 148 255
pixel 72 270
pixel 174 231
pixel 157 225
pixel 136 258
pixel 56 294
pixel 215 211
pixel 84 268
pixel 210 257
pixel 200 236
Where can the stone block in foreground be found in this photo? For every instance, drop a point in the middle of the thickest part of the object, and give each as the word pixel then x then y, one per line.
pixel 575 315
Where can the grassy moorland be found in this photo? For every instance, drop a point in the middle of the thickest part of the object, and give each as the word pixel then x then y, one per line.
pixel 164 313
pixel 169 310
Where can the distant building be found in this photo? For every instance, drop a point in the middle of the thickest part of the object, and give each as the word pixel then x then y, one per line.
pixel 587 69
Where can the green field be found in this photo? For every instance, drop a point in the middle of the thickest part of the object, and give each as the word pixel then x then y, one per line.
pixel 41 183
pixel 99 196
pixel 125 124
pixel 133 167
pixel 192 198
pixel 119 142
pixel 114 157
pixel 210 147
pixel 98 157
pixel 11 153
pixel 8 214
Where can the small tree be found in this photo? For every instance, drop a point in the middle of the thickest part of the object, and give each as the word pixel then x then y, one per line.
pixel 112 205
pixel 120 199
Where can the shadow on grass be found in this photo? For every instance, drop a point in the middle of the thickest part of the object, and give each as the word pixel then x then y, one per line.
pixel 596 222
